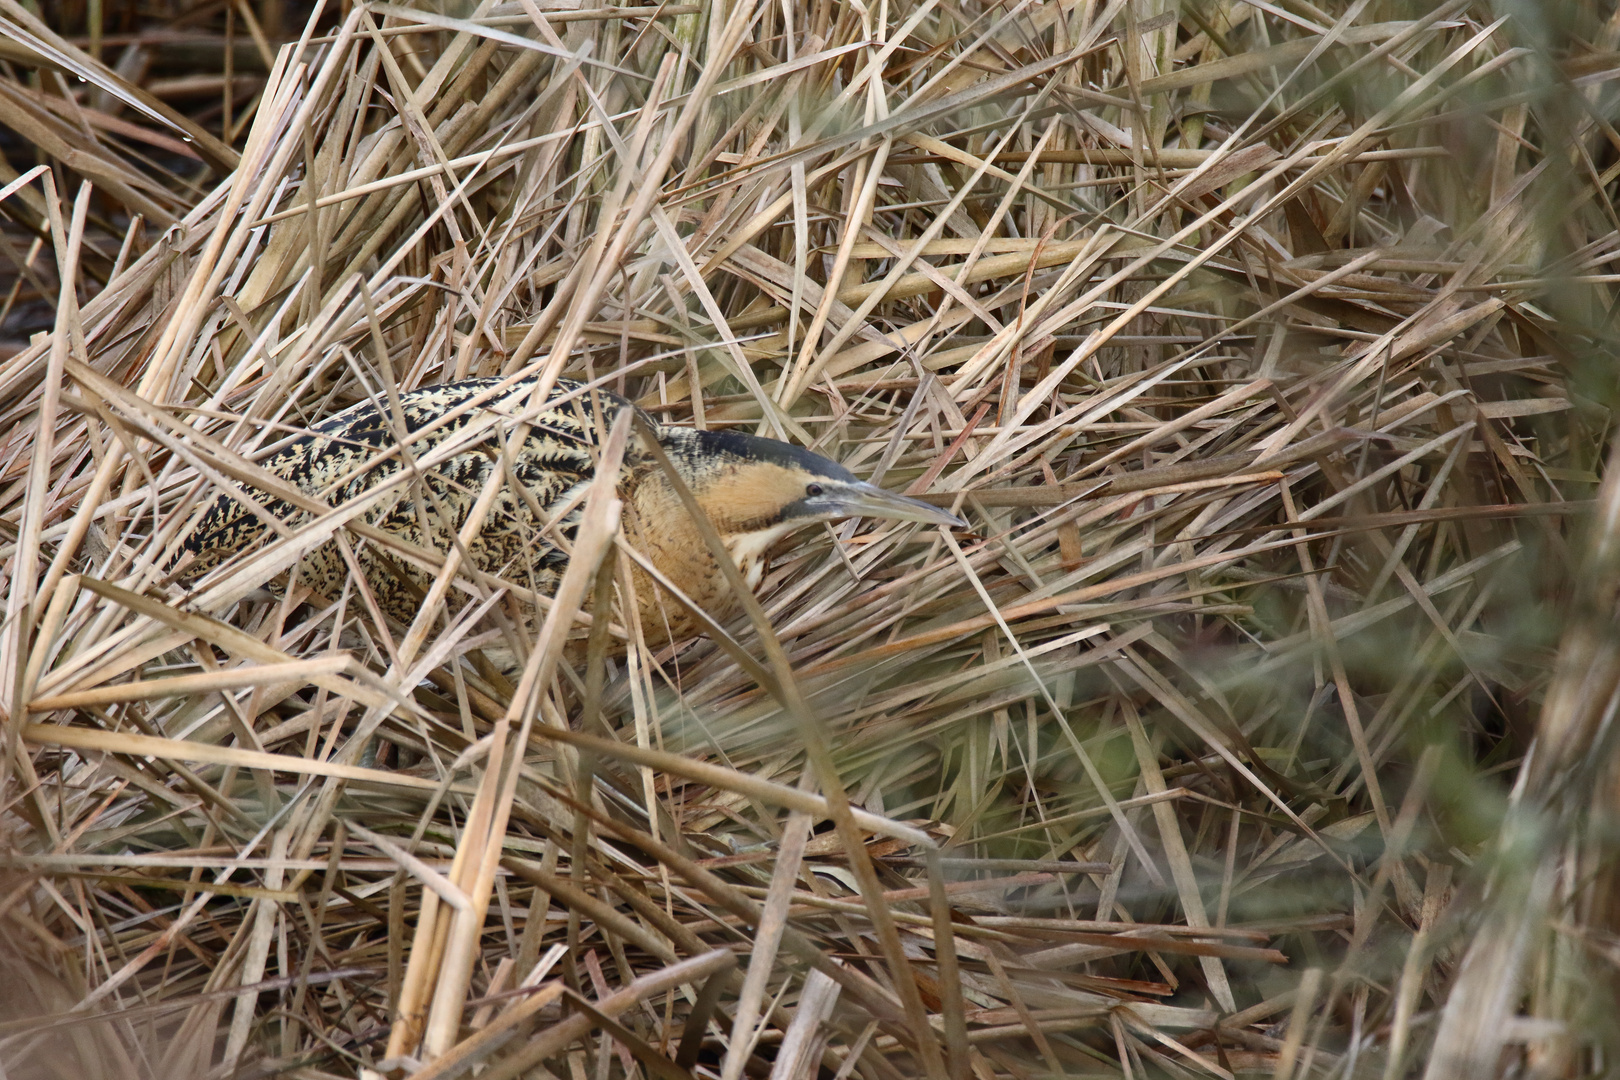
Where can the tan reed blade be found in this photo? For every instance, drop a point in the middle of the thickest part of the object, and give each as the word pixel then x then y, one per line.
pixel 1259 722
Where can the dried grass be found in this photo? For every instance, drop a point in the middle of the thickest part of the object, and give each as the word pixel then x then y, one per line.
pixel 1267 350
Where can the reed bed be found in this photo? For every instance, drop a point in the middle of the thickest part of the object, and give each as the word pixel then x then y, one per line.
pixel 1258 723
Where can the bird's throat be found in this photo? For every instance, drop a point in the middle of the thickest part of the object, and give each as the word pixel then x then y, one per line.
pixel 676 547
pixel 750 549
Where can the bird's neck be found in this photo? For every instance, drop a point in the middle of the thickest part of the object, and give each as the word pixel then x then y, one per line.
pixel 749 549
pixel 658 525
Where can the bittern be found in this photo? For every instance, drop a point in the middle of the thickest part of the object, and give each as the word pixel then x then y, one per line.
pixel 756 491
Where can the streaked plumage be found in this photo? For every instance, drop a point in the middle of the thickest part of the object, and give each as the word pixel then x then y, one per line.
pixel 756 491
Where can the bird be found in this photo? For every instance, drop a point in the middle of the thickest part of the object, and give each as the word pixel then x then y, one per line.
pixel 756 491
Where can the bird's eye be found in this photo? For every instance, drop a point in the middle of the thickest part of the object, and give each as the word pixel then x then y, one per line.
pixel 812 491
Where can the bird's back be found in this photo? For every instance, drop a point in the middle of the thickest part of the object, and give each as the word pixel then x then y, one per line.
pixel 431 485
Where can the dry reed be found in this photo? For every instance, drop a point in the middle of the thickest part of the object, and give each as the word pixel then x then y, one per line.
pixel 1267 349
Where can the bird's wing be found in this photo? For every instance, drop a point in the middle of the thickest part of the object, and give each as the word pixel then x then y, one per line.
pixel 454 433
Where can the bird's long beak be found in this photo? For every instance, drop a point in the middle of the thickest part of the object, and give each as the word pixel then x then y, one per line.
pixel 861 499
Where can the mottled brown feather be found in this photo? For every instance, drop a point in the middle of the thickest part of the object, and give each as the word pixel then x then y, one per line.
pixel 745 484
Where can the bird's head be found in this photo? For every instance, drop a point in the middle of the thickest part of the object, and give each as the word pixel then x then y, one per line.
pixel 757 491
